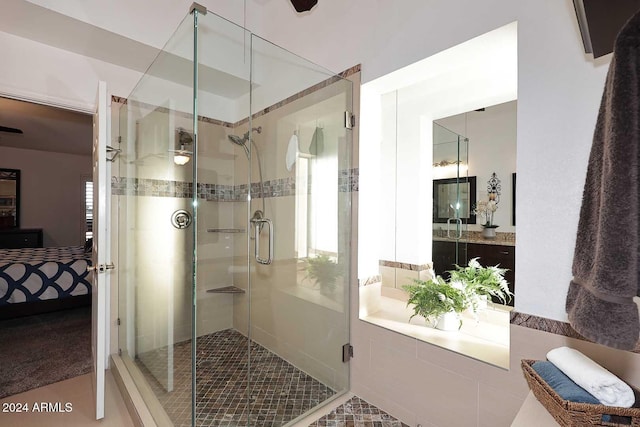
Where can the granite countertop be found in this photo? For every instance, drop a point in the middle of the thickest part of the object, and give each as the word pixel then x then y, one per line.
pixel 497 241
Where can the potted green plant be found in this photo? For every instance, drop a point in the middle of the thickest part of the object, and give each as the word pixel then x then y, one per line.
pixel 437 301
pixel 324 272
pixel 481 283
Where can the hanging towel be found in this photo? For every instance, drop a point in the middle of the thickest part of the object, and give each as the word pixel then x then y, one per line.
pixel 317 142
pixel 600 383
pixel 292 152
pixel 606 265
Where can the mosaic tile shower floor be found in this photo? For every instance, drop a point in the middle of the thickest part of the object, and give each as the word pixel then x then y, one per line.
pixel 357 413
pixel 279 391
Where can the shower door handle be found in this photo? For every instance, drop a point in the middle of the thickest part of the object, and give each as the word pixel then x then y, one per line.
pixel 458 222
pixel 258 224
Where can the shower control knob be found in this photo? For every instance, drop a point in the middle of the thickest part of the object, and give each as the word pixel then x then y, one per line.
pixel 181 219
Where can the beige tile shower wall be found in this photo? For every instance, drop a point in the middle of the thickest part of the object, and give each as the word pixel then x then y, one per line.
pixel 397 277
pixel 216 160
pixel 157 254
pixel 292 320
pixel 155 259
pixel 158 266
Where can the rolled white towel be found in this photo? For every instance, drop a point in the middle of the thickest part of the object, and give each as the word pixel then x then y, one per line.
pixel 602 384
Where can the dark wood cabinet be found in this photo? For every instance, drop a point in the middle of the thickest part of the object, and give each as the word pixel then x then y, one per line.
pixel 15 238
pixel 444 258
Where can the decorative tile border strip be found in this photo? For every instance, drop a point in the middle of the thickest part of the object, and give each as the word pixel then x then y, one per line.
pixel 217 192
pixel 281 187
pixel 351 71
pixel 549 325
pixel 150 187
pixel 393 264
pixel 119 99
pixel 349 180
pixel 369 280
pixel 405 265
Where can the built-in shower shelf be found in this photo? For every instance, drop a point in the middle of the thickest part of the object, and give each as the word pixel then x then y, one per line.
pixel 226 230
pixel 227 290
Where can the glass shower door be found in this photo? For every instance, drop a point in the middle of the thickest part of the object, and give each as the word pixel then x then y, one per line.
pixel 452 192
pixel 155 188
pixel 300 255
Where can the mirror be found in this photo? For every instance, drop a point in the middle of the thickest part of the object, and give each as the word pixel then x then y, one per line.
pixel 447 192
pixel 9 198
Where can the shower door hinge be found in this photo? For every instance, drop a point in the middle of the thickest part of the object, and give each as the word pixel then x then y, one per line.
pixel 119 139
pixel 349 119
pixel 118 321
pixel 347 352
pixel 119 352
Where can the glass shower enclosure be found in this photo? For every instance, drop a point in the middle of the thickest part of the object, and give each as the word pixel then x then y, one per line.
pixel 454 198
pixel 234 230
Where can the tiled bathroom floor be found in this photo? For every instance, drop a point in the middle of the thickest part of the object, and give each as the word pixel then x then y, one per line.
pixel 279 391
pixel 357 413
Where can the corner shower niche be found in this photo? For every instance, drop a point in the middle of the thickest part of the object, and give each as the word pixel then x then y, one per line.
pixel 194 302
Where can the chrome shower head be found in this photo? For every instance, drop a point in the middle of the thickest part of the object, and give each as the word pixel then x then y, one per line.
pixel 184 137
pixel 238 139
pixel 242 140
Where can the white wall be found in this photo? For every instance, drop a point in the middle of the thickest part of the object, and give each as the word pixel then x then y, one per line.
pixel 38 72
pixel 51 193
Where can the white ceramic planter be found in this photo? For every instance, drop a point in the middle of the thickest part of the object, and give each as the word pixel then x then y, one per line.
pixel 481 302
pixel 448 322
pixel 489 233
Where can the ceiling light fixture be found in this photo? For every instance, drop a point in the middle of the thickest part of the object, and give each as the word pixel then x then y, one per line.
pixel 181 159
pixel 182 156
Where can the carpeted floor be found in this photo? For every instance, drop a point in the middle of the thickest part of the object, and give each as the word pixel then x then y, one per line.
pixel 44 349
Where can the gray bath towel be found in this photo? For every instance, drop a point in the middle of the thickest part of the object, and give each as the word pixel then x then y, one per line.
pixel 606 261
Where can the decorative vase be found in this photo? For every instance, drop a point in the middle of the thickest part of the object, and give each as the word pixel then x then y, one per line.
pixel 448 322
pixel 489 233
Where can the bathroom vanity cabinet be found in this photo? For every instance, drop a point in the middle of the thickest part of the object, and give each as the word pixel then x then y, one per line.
pixel 444 257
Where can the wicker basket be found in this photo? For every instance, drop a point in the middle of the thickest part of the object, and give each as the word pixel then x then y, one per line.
pixel 575 414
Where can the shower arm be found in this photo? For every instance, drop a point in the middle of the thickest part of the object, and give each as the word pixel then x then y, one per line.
pixel 259 172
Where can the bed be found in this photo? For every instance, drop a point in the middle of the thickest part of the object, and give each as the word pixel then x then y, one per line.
pixel 38 280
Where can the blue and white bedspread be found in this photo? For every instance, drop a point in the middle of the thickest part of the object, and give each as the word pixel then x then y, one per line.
pixel 32 274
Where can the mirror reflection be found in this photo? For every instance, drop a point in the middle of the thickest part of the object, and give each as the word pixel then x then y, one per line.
pixel 489 156
pixel 9 198
pixel 454 198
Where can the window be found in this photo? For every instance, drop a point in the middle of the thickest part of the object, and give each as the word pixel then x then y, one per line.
pixel 88 208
